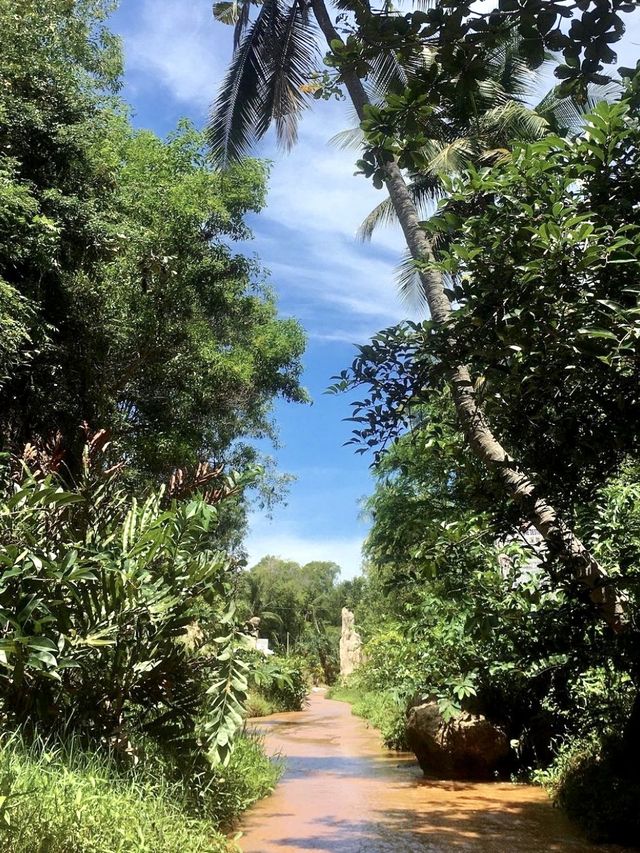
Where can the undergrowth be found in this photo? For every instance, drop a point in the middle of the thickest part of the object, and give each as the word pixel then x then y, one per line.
pixel 586 781
pixel 257 706
pixel 65 800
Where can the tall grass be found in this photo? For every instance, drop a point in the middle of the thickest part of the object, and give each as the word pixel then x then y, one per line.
pixel 66 800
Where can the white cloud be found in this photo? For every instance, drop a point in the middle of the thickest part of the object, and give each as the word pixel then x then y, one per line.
pixel 314 195
pixel 176 44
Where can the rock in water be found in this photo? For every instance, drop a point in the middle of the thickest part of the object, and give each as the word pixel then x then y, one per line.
pixel 350 645
pixel 467 747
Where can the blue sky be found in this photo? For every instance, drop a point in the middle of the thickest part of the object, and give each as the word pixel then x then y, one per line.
pixel 341 291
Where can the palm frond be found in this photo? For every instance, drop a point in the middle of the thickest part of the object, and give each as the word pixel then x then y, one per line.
pixel 409 285
pixel 512 120
pixel 295 59
pixel 566 115
pixel 238 116
pixel 236 13
pixel 382 214
pixel 265 81
pixel 226 11
pixel 241 22
pixel 350 139
pixel 511 71
pixel 448 157
pixel 424 190
pixel 386 75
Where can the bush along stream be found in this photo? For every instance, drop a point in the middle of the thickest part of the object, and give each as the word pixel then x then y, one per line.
pixel 125 676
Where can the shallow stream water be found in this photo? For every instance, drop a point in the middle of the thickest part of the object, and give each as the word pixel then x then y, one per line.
pixel 342 792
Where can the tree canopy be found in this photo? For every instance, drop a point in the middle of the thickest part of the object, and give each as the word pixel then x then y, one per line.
pixel 126 305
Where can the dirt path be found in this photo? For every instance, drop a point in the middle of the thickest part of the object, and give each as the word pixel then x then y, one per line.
pixel 341 792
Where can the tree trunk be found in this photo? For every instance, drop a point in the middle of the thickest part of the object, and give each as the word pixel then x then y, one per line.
pixel 517 483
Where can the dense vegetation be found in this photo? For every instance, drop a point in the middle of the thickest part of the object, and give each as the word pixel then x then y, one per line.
pixel 503 558
pixel 299 608
pixel 139 355
pixel 124 304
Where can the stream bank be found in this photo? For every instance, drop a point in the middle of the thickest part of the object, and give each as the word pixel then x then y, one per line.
pixel 343 792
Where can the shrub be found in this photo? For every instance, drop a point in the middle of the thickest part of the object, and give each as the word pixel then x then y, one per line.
pixel 585 779
pixel 228 791
pixel 97 592
pixel 282 682
pixel 257 706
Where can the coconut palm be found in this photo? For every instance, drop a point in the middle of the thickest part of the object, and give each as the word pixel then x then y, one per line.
pixel 477 131
pixel 275 55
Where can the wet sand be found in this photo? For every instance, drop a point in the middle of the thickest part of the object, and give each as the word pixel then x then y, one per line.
pixel 343 792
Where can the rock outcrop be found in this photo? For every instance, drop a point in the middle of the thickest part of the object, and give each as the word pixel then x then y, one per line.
pixel 350 645
pixel 467 747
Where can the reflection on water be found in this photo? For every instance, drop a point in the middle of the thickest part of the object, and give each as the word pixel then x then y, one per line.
pixel 341 792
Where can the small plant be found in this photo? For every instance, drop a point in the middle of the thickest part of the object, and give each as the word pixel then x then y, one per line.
pixel 257 706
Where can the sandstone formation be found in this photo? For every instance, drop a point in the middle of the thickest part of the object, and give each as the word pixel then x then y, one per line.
pixel 350 645
pixel 467 747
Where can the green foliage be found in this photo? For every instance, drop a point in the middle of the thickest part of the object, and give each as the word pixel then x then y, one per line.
pixel 459 607
pixel 257 706
pixel 61 798
pixel 540 252
pixel 585 780
pixel 542 257
pixel 223 793
pixel 227 696
pixel 60 803
pixel 123 303
pixel 98 592
pixel 299 608
pixel 281 682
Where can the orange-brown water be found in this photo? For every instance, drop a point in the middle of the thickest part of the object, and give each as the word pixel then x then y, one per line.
pixel 342 792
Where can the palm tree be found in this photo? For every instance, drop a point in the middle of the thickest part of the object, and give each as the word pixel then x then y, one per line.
pixel 477 131
pixel 274 56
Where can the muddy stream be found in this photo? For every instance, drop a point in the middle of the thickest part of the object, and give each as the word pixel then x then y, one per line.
pixel 342 792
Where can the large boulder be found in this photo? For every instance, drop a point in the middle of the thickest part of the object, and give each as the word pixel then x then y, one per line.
pixel 466 747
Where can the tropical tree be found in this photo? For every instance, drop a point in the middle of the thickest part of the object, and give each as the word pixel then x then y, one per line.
pixel 542 253
pixel 274 59
pixel 123 301
pixel 475 128
pixel 299 607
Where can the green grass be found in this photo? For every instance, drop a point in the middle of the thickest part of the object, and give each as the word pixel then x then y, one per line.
pixel 258 706
pixel 68 801
pixel 382 709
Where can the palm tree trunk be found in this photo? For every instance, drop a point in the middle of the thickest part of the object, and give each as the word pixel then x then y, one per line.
pixel 517 483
